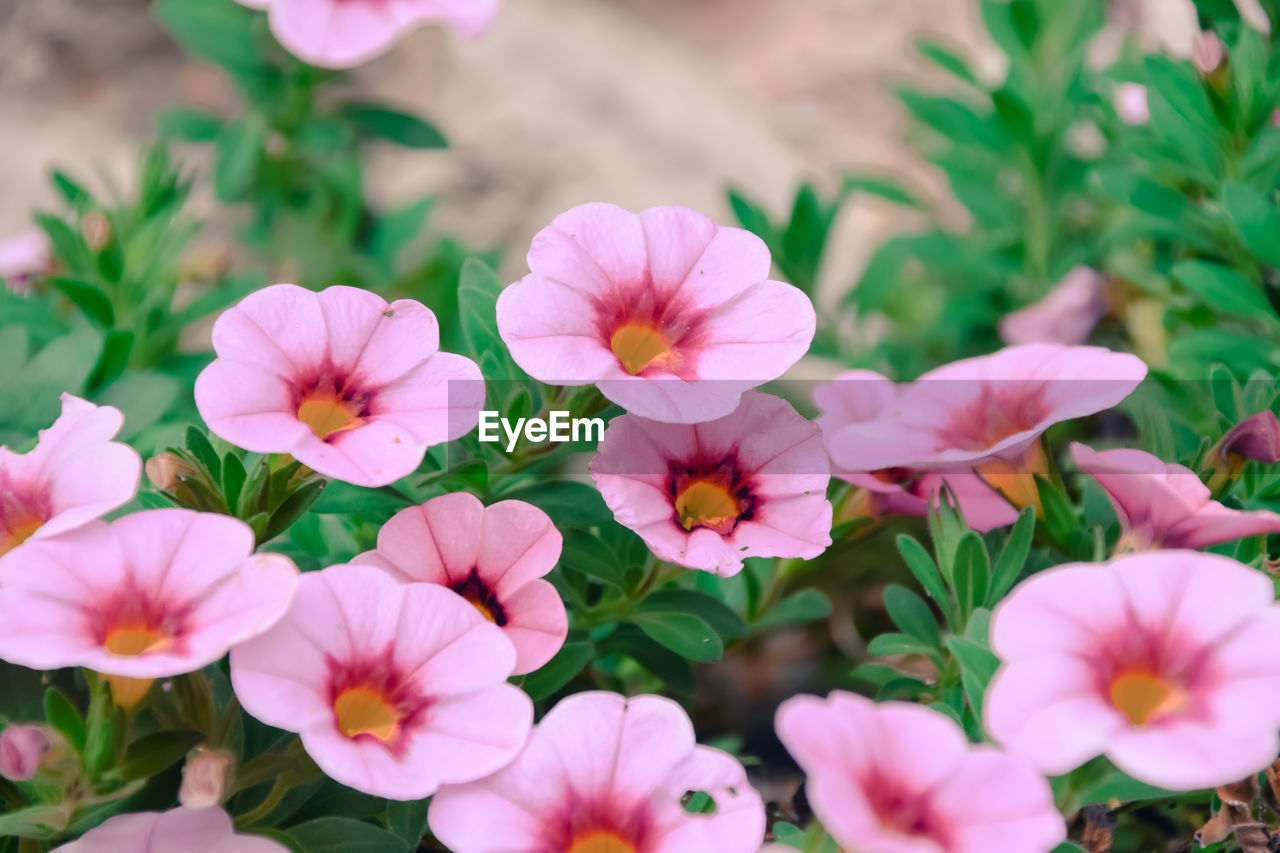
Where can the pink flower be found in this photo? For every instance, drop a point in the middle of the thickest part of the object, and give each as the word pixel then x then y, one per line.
pixel 605 774
pixel 1166 506
pixel 1131 103
pixel 493 557
pixel 861 396
pixel 652 308
pixel 394 688
pixel 349 385
pixel 1207 52
pixel 900 778
pixel 1066 314
pixel 74 474
pixel 1162 661
pixel 1257 437
pixel 205 777
pixel 152 594
pixel 991 407
pixel 23 256
pixel 177 831
pixel 347 33
pixel 21 749
pixel 705 496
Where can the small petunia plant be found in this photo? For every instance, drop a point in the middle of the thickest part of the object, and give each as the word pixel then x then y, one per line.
pixel 340 536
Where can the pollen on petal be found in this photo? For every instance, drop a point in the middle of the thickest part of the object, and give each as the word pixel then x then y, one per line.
pixel 637 347
pixel 706 504
pixel 362 711
pixel 601 842
pixel 1143 696
pixel 327 414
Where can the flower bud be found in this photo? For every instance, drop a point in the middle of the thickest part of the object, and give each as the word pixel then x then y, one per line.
pixel 1207 53
pixel 1256 437
pixel 1131 103
pixel 166 471
pixel 21 750
pixel 96 230
pixel 205 777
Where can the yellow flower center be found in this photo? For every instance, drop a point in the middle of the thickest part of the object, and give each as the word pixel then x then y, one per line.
pixel 362 711
pixel 130 641
pixel 20 532
pixel 1143 697
pixel 600 842
pixel 327 414
pixel 637 347
pixel 706 504
pixel 479 605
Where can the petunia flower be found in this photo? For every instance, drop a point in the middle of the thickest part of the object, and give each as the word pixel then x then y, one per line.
pixel 1257 437
pixel 1065 315
pixel 1162 661
pixel 350 385
pixel 1166 506
pixel 604 773
pixel 23 256
pixel 895 777
pixel 992 407
pixel 705 496
pixel 150 595
pixel 75 474
pixel 347 33
pixel 494 557
pixel 178 831
pixel 394 688
pixel 22 748
pixel 669 314
pixel 861 396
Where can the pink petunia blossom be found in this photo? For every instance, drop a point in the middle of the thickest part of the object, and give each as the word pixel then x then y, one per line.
pixel 178 831
pixel 706 496
pixel 23 256
pixel 895 777
pixel 350 385
pixel 347 33
pixel 1257 437
pixel 493 557
pixel 604 773
pixel 671 315
pixel 1162 661
pixel 22 748
pixel 1065 315
pixel 989 408
pixel 860 396
pixel 153 594
pixel 394 688
pixel 1166 506
pixel 75 474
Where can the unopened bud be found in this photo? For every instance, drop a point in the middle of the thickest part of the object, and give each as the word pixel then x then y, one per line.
pixel 167 471
pixel 205 777
pixel 21 750
pixel 96 229
pixel 1256 437
pixel 1207 53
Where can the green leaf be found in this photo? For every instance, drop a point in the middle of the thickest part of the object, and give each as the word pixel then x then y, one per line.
pixel 395 229
pixel 116 348
pixel 69 189
pixel 909 612
pixel 882 187
pixel 572 658
pixel 947 60
pixel 292 508
pixel 88 298
pixel 570 503
pixel 660 661
pixel 900 644
pixel 156 752
pixel 1256 219
pixel 1223 288
pixel 408 820
pixel 713 611
pixel 585 552
pixel 753 218
pixel 341 498
pixel 1059 515
pixel 972 572
pixel 198 444
pixel 233 477
pixel 1013 557
pixel 63 716
pixel 239 152
pixel 393 125
pixel 924 568
pixel 345 835
pixel 803 606
pixel 144 398
pixel 478 291
pixel 978 665
pixel 189 124
pixel 218 31
pixel 68 244
pixel 683 633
